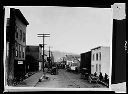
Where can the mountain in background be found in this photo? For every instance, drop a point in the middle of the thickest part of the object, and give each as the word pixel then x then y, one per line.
pixel 58 54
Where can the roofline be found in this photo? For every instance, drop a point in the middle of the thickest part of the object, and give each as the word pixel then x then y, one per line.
pixel 20 15
pixel 32 45
pixel 98 47
pixel 86 52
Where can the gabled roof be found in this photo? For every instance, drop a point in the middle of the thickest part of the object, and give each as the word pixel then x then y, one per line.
pixel 96 48
pixel 20 16
pixel 86 52
pixel 100 47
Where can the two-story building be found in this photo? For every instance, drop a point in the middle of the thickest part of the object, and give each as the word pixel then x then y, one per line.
pixel 72 62
pixel 86 61
pixel 33 58
pixel 100 60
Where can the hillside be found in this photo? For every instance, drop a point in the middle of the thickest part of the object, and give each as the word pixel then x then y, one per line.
pixel 57 54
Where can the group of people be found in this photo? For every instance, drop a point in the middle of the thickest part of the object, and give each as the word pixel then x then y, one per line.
pixel 101 78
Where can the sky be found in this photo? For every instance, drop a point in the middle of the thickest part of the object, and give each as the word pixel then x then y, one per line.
pixel 71 29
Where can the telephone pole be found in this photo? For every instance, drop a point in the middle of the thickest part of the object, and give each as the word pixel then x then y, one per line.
pixel 43 36
pixel 50 57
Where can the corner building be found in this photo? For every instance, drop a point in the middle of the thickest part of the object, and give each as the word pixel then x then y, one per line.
pixel 16 43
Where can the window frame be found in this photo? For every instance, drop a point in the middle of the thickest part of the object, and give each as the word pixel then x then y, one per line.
pixel 99 67
pixel 24 37
pixel 16 31
pixel 21 35
pixel 16 49
pixel 97 56
pixel 93 57
pixel 96 67
pixel 23 52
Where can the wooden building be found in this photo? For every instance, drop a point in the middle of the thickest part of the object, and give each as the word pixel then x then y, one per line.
pixel 15 45
pixel 33 58
pixel 86 61
pixel 100 60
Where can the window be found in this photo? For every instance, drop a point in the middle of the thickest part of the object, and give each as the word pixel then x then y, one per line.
pixel 92 66
pixel 16 34
pixel 23 55
pixel 93 57
pixel 96 67
pixel 20 34
pixel 99 67
pixel 16 53
pixel 16 29
pixel 19 51
pixel 100 56
pixel 7 48
pixel 16 49
pixel 23 37
pixel 97 56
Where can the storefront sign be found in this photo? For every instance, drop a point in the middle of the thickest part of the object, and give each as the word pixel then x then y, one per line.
pixel 20 62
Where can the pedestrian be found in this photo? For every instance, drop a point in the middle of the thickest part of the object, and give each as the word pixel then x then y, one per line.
pixel 100 76
pixel 106 77
pixel 95 74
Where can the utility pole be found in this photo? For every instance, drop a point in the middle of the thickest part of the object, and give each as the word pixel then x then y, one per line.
pixel 43 35
pixel 52 60
pixel 49 61
pixel 50 57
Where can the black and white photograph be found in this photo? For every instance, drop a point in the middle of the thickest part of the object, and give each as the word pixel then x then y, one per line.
pixel 64 48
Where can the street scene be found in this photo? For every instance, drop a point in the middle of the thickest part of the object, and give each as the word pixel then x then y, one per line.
pixel 75 66
pixel 58 47
pixel 68 80
pixel 63 79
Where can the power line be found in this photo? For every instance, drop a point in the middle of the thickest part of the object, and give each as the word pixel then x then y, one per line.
pixel 43 36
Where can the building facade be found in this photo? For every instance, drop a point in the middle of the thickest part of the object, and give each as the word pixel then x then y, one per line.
pixel 100 60
pixel 86 61
pixel 72 62
pixel 33 58
pixel 15 43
